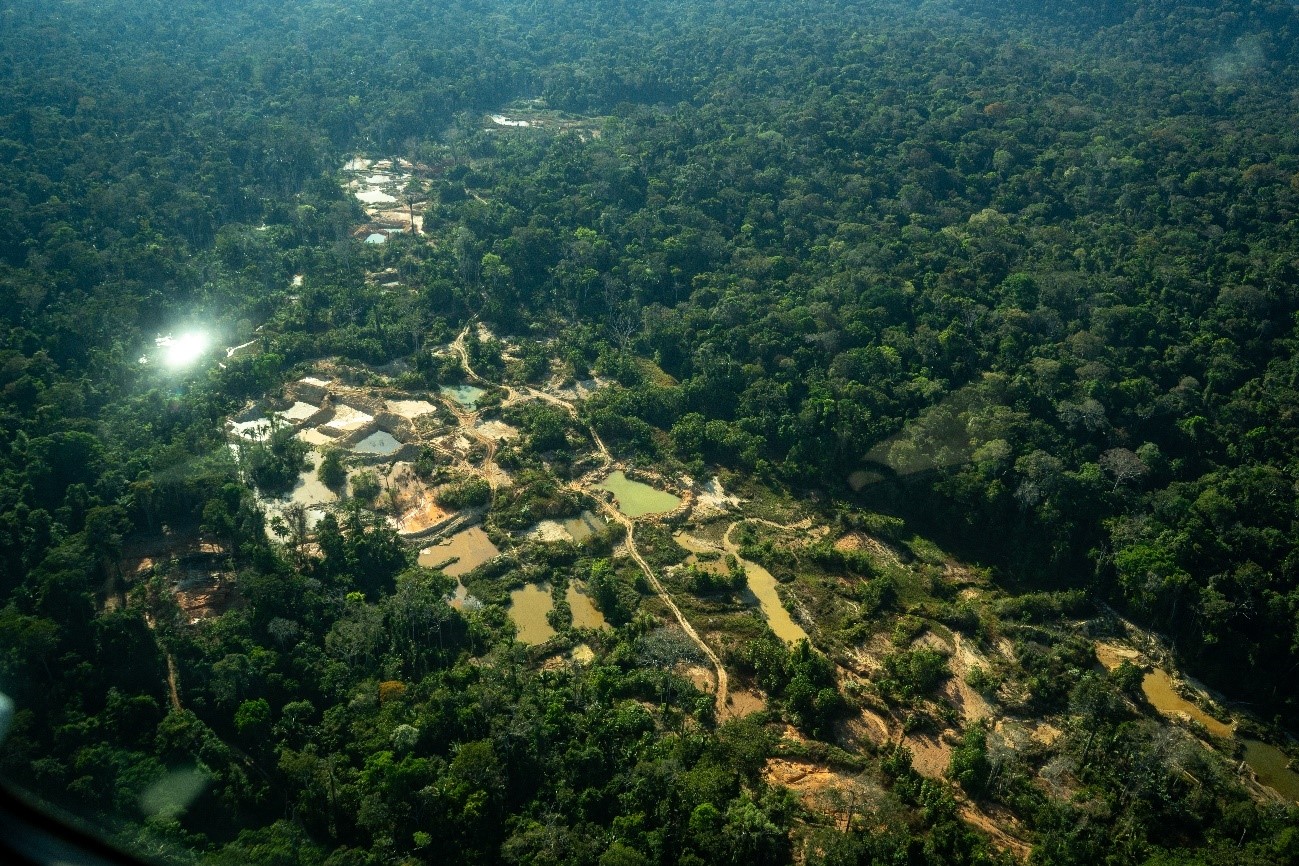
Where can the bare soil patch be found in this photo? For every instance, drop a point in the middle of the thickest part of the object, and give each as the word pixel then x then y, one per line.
pixel 857 540
pixel 930 755
pixel 1001 840
pixel 417 509
pixel 203 595
pixel 742 702
pixel 700 676
pixel 866 730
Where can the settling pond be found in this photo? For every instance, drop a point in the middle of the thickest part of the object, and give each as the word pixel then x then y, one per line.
pixel 465 395
pixel 530 604
pixel 461 596
pixel 470 548
pixel 636 499
pixel 1270 764
pixel 583 526
pixel 309 492
pixel 585 613
pixel 379 442
pixel 528 608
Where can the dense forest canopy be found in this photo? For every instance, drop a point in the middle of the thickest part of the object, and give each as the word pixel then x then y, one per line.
pixel 1023 278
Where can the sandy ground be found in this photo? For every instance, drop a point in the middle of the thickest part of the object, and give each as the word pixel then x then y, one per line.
pixel 964 658
pixel 498 430
pixel 421 517
pixel 549 531
pixel 876 724
pixel 929 755
pixel 313 436
pixel 411 408
pixel 203 589
pixel 140 557
pixel 1112 655
pixel 1020 734
pixel 416 508
pixel 844 797
pixel 204 595
pixel 993 827
pixel 713 499
pixel 743 702
pixel 400 217
pixel 348 418
pixel 818 786
pixel 578 390
pixel 700 676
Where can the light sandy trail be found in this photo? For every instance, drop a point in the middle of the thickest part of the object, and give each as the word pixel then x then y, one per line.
pixel 173 693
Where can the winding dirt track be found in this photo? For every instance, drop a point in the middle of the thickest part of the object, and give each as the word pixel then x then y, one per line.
pixel 723 682
pixel 732 547
pixel 489 468
pixel 173 693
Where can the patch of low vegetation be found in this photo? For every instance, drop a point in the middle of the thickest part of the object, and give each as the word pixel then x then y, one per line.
pixel 535 495
pixel 275 464
pixel 471 492
pixel 366 486
pixel 910 675
pixel 332 472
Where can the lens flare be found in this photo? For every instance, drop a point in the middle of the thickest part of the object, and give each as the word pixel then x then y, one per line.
pixel 183 350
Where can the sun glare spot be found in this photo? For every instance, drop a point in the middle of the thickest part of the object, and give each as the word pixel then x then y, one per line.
pixel 183 350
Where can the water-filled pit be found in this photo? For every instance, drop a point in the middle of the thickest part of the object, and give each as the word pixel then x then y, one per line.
pixel 299 411
pixel 585 613
pixel 636 499
pixel 347 419
pixel 470 548
pixel 464 395
pixel 379 442
pixel 528 608
pixel 762 587
pixel 583 526
pixel 309 492
pixel 1270 764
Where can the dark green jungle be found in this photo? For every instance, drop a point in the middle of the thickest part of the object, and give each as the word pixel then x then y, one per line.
pixel 1008 290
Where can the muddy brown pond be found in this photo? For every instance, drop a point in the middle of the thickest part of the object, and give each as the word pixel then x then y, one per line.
pixel 1270 764
pixel 762 586
pixel 636 499
pixel 470 548
pixel 528 608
